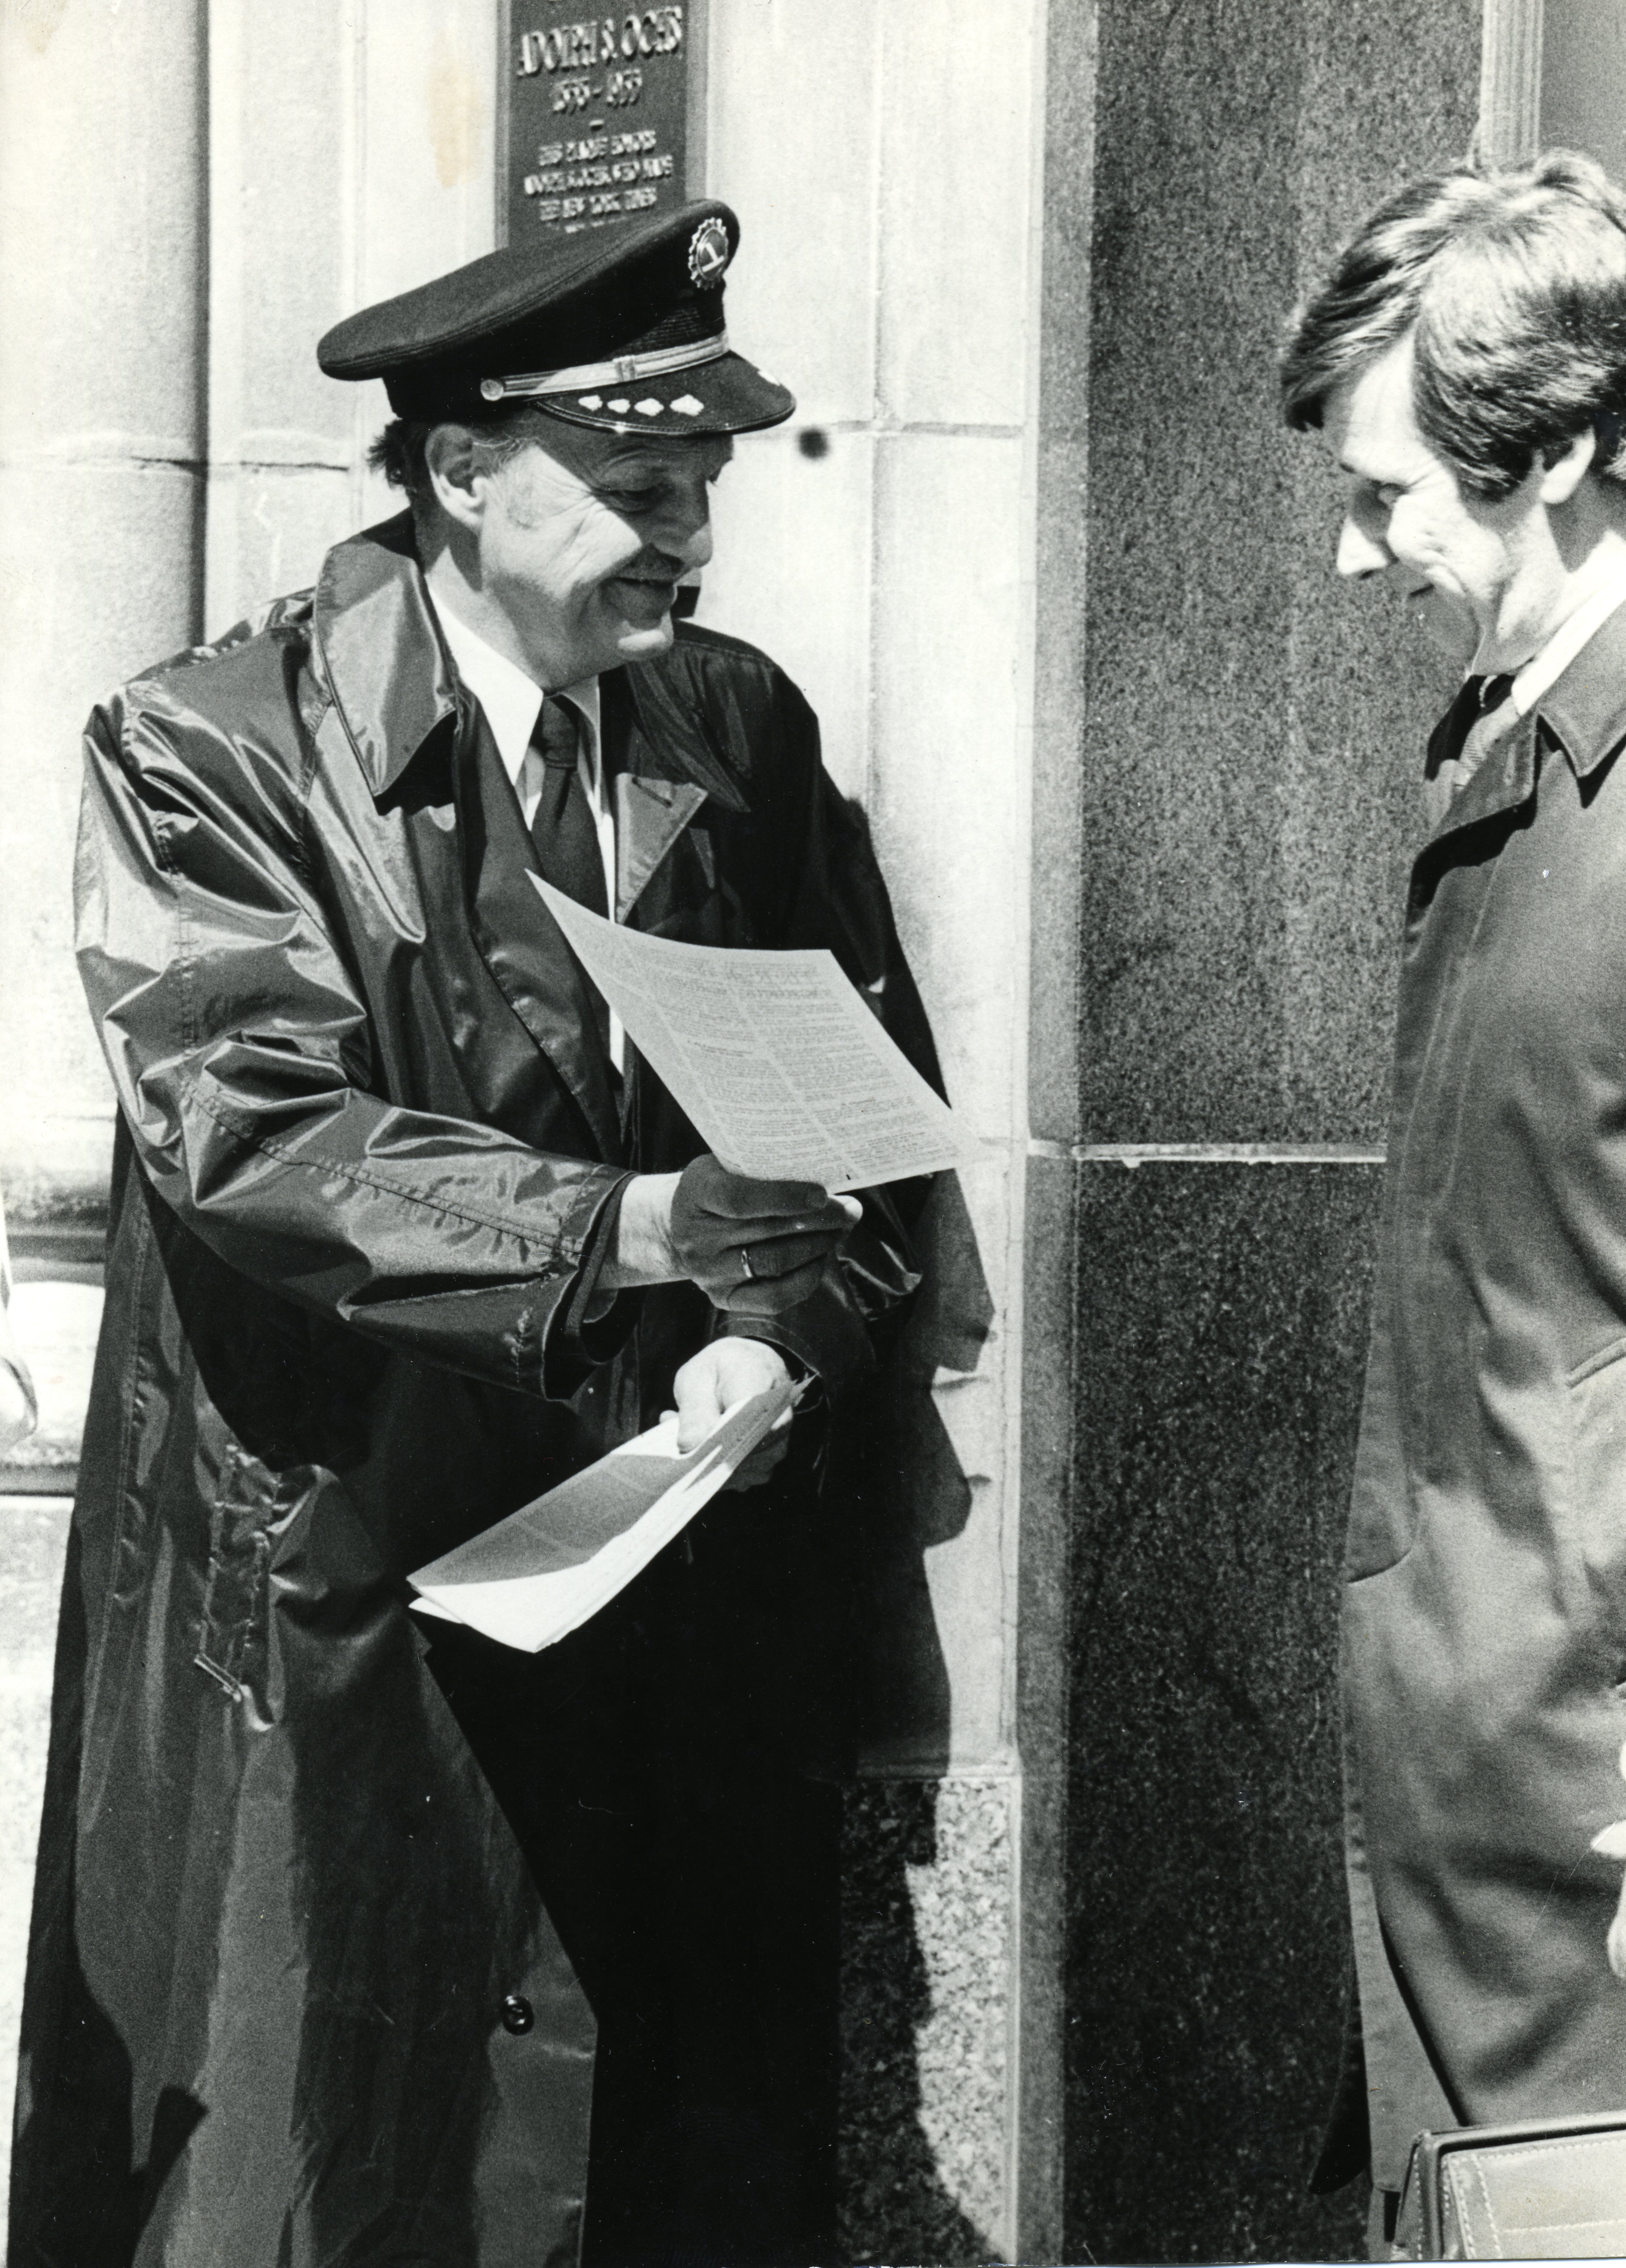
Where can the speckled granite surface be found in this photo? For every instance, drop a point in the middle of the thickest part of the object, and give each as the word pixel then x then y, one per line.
pixel 1251 733
pixel 926 1996
pixel 1225 1307
pixel 1246 736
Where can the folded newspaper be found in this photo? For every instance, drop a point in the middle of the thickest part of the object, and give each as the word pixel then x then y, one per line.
pixel 773 1056
pixel 550 1566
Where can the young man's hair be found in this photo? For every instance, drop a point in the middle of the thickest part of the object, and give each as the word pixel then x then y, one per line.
pixel 1513 284
pixel 398 452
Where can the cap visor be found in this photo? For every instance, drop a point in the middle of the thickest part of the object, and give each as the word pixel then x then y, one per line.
pixel 729 396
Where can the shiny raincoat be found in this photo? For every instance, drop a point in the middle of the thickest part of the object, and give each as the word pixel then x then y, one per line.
pixel 1484 1634
pixel 329 1899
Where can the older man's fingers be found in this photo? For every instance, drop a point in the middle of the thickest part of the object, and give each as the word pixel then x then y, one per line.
pixel 767 1295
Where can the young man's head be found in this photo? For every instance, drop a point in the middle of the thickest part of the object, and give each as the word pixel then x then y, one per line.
pixel 1467 359
pixel 561 411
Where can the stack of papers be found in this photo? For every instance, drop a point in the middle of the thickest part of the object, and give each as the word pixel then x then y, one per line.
pixel 773 1056
pixel 549 1567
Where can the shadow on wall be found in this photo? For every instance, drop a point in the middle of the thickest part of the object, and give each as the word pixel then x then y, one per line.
pixel 926 1971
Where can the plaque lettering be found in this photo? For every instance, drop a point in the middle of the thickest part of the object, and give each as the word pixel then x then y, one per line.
pixel 574 158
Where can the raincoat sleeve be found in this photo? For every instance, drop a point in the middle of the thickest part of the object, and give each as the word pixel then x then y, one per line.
pixel 244 1062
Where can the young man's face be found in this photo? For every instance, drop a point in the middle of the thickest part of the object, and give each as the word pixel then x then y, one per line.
pixel 1470 573
pixel 584 536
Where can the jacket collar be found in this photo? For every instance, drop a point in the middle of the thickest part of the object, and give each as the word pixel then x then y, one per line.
pixel 1586 709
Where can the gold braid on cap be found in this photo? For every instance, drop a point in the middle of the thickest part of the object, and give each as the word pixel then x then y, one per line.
pixel 626 370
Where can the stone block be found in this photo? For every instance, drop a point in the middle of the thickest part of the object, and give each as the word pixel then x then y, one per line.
pixel 424 168
pixel 950 804
pixel 103 206
pixel 791 144
pixel 958 104
pixel 928 1950
pixel 33 1536
pixel 1249 733
pixel 282 161
pixel 56 1326
pixel 791 573
pixel 82 615
pixel 1583 74
pixel 269 527
pixel 1221 1333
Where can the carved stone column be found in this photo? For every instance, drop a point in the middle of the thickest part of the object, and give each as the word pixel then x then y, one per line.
pixel 102 312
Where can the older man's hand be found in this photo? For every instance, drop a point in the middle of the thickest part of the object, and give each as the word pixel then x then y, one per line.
pixel 754 1247
pixel 727 1372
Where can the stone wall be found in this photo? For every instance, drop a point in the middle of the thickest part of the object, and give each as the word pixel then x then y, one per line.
pixel 272 169
pixel 885 164
pixel 1227 747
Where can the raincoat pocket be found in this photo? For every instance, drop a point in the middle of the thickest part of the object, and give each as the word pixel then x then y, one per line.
pixel 1597 1493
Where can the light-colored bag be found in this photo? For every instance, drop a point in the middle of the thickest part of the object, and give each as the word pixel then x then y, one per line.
pixel 1540 2189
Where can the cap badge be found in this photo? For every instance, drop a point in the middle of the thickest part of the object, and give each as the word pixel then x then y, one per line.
pixel 708 253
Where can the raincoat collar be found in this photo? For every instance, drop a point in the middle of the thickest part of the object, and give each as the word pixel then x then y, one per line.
pixel 392 683
pixel 386 667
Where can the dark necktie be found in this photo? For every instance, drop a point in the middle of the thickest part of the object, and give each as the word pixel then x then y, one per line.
pixel 562 829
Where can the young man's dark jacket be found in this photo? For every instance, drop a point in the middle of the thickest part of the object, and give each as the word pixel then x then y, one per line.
pixel 1484 1616
pixel 294 1992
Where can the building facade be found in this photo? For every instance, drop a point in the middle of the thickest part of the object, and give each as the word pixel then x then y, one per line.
pixel 1141 779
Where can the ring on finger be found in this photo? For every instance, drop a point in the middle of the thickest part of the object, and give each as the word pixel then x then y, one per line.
pixel 744 1262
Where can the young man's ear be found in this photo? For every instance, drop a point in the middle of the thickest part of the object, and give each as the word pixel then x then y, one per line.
pixel 451 457
pixel 1564 469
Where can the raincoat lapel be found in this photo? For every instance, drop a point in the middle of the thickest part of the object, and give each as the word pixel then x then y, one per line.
pixel 657 753
pixel 649 816
pixel 392 685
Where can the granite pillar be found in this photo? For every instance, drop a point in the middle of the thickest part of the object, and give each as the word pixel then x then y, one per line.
pixel 1226 746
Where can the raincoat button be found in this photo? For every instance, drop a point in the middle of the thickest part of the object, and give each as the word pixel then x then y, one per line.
pixel 517 2013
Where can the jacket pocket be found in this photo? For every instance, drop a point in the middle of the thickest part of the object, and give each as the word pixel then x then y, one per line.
pixel 1596 1396
pixel 230 1639
pixel 1383 1507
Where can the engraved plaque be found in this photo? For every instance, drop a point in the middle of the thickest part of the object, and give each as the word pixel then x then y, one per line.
pixel 599 115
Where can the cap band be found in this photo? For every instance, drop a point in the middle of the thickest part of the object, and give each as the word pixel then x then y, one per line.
pixel 626 370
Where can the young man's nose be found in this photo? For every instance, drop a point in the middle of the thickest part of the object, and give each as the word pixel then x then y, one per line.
pixel 1360 553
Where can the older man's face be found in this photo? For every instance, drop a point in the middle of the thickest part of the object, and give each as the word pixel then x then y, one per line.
pixel 1463 569
pixel 585 536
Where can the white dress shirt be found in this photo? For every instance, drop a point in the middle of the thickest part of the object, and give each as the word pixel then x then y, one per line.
pixel 1548 663
pixel 512 704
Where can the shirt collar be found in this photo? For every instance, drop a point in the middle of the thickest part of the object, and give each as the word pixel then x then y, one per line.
pixel 1546 667
pixel 512 700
